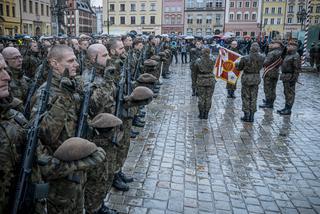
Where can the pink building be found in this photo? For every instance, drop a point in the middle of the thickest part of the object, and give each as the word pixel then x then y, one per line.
pixel 172 17
pixel 242 17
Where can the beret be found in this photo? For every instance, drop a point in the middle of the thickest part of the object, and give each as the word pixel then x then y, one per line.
pixel 147 78
pixel 141 93
pixel 150 63
pixel 105 120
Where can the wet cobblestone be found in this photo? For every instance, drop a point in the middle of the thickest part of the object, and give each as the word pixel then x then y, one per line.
pixel 182 164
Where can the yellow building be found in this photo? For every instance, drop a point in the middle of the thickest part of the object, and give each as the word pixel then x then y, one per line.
pixel 9 17
pixel 124 16
pixel 273 17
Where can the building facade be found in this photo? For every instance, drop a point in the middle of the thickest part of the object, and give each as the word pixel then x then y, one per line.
pixel 243 17
pixel 293 22
pixel 10 19
pixel 80 18
pixel 172 17
pixel 99 14
pixel 36 17
pixel 123 16
pixel 204 17
pixel 273 16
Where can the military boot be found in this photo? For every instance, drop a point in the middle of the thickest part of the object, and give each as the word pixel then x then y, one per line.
pixel 133 134
pixel 246 117
pixel 105 210
pixel 251 117
pixel 119 184
pixel 286 110
pixel 205 115
pixel 200 115
pixel 266 104
pixel 137 122
pixel 124 177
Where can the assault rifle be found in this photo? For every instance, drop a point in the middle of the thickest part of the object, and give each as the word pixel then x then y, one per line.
pixel 26 192
pixel 138 66
pixel 128 73
pixel 33 87
pixel 85 104
pixel 81 62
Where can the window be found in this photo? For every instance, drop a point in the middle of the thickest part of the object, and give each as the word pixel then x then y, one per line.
pixel 152 20
pixel 111 7
pixel 189 3
pixel 143 6
pixel 1 9
pixel 254 4
pixel 289 20
pixel 273 10
pixel 133 7
pixel 173 20
pixel 13 12
pixel 239 4
pixel 153 7
pixel 300 7
pixel 143 20
pixel 231 4
pixel 189 19
pixel 122 7
pixel 209 20
pixel 218 3
pixel 179 20
pixel 244 33
pixel 167 9
pixel 47 10
pixel 272 21
pixel 208 31
pixel 189 31
pixel 199 32
pixel 237 33
pixel 218 19
pixel 316 20
pixel 247 4
pixel 111 20
pixel 265 21
pixel 278 21
pixel 318 9
pixel 133 20
pixel 37 8
pixel 199 19
pixel 30 7
pixel 24 6
pixel 42 10
pixel 8 10
pixel 239 16
pixel 279 10
pixel 231 16
pixel 311 9
pixel 254 16
pixel 290 9
pixel 167 20
pixel 246 16
pixel 266 10
pixel 252 34
pixel 209 3
pixel 122 20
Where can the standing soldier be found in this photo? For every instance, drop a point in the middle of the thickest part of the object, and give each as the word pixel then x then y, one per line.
pixel 19 82
pixel 250 80
pixel 31 60
pixel 271 66
pixel 205 82
pixel 195 53
pixel 313 50
pixel 290 68
pixel 150 48
pixel 231 88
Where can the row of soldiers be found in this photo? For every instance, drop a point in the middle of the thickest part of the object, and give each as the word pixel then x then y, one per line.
pixel 280 58
pixel 66 120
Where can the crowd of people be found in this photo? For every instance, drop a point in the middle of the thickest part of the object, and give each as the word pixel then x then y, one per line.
pixel 72 102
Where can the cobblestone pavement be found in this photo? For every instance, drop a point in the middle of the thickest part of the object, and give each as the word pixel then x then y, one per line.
pixel 182 164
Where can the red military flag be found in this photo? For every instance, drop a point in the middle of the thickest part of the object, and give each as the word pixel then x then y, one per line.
pixel 225 67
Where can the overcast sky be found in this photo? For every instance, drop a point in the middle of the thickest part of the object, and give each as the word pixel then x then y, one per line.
pixel 96 2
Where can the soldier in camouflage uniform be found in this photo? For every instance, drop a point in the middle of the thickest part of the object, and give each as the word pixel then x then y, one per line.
pixel 31 60
pixel 195 53
pixel 250 80
pixel 150 48
pixel 271 78
pixel 290 68
pixel 205 82
pixel 19 82
pixel 231 88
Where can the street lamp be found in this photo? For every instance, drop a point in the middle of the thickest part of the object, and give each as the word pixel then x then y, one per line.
pixel 302 15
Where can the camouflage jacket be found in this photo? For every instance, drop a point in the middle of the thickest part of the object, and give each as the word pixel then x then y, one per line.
pixel 204 70
pixel 251 66
pixel 291 67
pixel 195 53
pixel 150 51
pixel 30 64
pixel 19 84
pixel 272 56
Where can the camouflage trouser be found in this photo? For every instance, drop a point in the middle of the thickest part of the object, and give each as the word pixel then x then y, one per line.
pixel 193 78
pixel 166 66
pixel 204 98
pixel 269 87
pixel 249 94
pixel 289 92
pixel 99 179
pixel 231 87
pixel 66 196
pixel 124 144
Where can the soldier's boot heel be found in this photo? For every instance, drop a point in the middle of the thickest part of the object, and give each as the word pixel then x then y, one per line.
pixel 286 111
pixel 119 184
pixel 245 117
pixel 125 178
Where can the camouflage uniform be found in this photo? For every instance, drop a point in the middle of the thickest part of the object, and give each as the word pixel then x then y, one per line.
pixel 150 51
pixel 290 68
pixel 195 53
pixel 271 78
pixel 30 64
pixel 232 87
pixel 205 84
pixel 250 80
pixel 19 84
pixel 66 194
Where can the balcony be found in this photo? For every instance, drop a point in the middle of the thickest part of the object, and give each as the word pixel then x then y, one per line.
pixel 195 9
